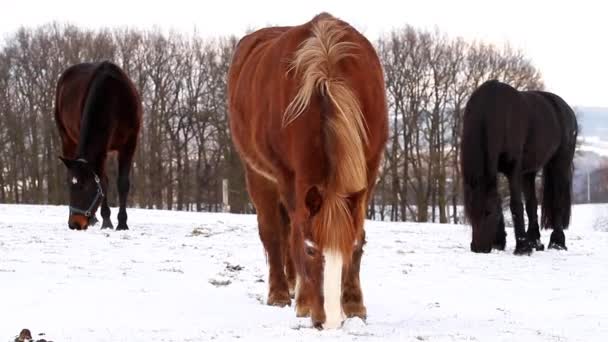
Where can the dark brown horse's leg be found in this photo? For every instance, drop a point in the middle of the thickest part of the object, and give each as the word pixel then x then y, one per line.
pixel 265 196
pixel 125 159
pixel 500 240
pixel 105 209
pixel 522 245
pixel 352 296
pixel 531 210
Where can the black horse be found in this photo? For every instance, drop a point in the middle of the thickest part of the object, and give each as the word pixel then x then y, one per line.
pixel 97 110
pixel 517 133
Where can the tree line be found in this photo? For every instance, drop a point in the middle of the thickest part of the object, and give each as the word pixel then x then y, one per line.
pixel 185 151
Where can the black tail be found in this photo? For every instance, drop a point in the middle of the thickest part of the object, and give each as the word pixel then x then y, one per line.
pixel 557 174
pixel 478 173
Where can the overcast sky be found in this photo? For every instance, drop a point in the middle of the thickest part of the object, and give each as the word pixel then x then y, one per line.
pixel 567 40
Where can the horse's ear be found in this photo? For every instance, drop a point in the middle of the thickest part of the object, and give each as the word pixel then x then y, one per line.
pixel 68 162
pixel 314 200
pixel 355 198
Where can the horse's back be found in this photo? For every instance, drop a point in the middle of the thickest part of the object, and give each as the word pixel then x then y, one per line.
pixel 70 98
pixel 521 127
pixel 121 100
pixel 262 85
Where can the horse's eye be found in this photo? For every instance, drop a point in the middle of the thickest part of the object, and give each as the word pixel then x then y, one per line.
pixel 309 247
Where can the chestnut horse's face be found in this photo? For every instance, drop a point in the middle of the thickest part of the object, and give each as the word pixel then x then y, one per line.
pixel 319 283
pixel 86 192
pixel 320 272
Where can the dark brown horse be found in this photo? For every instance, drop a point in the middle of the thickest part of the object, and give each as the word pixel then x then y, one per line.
pixel 517 133
pixel 308 116
pixel 97 110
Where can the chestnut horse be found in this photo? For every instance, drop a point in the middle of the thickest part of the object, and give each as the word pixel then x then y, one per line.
pixel 308 116
pixel 97 110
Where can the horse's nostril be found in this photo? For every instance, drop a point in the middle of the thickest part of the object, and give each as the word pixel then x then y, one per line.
pixel 73 226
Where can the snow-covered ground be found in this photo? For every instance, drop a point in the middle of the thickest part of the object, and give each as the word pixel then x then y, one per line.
pixel 199 277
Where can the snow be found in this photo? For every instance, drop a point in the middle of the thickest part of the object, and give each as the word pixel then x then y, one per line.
pixel 179 276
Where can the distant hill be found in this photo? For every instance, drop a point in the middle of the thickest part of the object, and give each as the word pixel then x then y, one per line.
pixel 593 121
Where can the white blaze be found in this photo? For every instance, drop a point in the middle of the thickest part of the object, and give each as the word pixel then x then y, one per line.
pixel 332 289
pixel 297 288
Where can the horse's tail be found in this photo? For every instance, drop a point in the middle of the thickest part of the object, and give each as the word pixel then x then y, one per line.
pixel 478 171
pixel 557 173
pixel 344 129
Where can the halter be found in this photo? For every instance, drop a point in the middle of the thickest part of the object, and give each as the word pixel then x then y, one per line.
pixel 98 195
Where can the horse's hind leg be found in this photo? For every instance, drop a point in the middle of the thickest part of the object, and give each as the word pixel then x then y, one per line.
pixel 273 233
pixel 522 245
pixel 531 210
pixel 125 160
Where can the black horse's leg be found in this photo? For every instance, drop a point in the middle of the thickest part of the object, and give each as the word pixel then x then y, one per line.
pixel 531 210
pixel 558 240
pixel 522 245
pixel 500 241
pixel 124 168
pixel 105 209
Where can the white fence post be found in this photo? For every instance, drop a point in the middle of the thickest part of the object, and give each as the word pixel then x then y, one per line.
pixel 225 203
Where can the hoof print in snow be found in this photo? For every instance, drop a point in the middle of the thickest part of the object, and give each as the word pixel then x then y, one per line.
pixel 233 268
pixel 220 282
pixel 172 270
pixel 202 231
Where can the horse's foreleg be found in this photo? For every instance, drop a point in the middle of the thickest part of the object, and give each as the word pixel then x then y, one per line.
pixel 124 168
pixel 273 234
pixel 500 240
pixel 352 296
pixel 522 245
pixel 105 209
pixel 531 210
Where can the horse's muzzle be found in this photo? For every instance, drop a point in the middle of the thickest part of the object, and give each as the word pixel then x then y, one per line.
pixel 78 222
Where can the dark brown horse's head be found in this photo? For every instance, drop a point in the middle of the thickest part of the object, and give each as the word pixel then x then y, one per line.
pixel 86 192
pixel 485 222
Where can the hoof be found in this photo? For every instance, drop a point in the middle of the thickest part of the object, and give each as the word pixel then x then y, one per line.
pixel 302 311
pixel 355 310
pixel 107 224
pixel 558 240
pixel 279 299
pixel 557 246
pixel 477 249
pixel 122 227
pixel 499 245
pixel 537 245
pixel 523 247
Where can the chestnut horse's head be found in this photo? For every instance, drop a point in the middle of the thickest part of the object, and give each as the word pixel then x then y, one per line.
pixel 86 192
pixel 323 245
